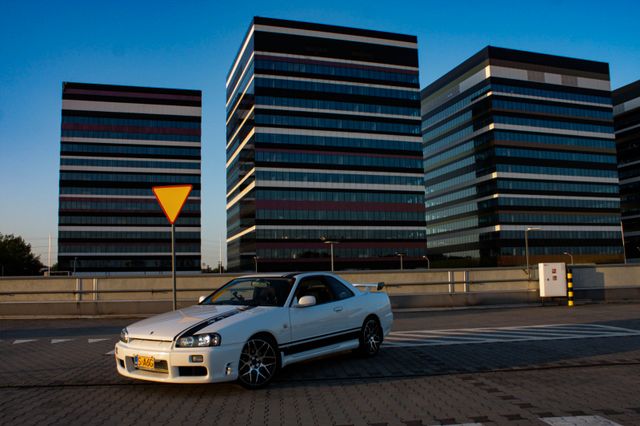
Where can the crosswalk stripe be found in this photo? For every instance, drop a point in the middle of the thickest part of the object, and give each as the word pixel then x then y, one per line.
pixel 415 338
pixel 578 421
pixel 54 341
pixel 19 341
pixel 96 340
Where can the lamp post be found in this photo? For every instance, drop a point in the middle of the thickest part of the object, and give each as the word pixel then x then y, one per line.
pixel 428 261
pixel 401 255
pixel 526 246
pixel 331 243
pixel 570 255
pixel 75 259
pixel 255 260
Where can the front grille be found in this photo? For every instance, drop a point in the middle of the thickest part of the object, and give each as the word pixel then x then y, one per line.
pixel 192 371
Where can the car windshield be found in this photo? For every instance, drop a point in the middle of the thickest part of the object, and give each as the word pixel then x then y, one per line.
pixel 253 291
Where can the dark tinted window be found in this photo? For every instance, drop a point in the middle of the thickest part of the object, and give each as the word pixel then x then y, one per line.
pixel 338 289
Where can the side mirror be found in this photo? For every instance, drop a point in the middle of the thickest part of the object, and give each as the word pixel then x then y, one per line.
pixel 306 301
pixel 201 299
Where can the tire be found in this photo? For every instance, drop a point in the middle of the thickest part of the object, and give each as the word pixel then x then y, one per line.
pixel 259 362
pixel 370 337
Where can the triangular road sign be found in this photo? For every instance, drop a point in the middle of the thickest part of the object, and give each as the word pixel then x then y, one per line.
pixel 172 199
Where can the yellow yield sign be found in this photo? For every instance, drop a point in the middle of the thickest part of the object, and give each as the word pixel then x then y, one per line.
pixel 172 199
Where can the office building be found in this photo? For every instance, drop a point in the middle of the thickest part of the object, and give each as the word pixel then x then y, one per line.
pixel 519 148
pixel 117 142
pixel 323 149
pixel 626 110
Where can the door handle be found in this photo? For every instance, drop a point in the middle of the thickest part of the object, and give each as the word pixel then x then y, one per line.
pixel 337 308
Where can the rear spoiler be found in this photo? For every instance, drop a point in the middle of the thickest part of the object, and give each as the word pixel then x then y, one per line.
pixel 378 286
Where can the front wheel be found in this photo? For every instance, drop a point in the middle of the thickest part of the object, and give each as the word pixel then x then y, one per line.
pixel 370 337
pixel 258 362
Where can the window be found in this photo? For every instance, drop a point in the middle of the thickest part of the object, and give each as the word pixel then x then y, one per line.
pixel 316 287
pixel 340 290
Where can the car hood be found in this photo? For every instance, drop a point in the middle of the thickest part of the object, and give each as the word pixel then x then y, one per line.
pixel 170 324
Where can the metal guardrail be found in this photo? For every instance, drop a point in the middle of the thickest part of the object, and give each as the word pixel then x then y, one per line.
pixel 465 283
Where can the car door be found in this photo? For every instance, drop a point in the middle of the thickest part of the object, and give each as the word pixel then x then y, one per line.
pixel 351 314
pixel 316 325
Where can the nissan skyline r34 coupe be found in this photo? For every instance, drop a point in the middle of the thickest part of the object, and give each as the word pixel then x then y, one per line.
pixel 253 326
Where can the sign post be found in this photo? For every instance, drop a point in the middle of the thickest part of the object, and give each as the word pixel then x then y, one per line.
pixel 172 199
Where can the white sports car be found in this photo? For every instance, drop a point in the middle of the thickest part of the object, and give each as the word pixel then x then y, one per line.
pixel 254 325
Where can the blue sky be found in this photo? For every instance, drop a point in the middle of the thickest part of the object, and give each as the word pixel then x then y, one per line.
pixel 190 44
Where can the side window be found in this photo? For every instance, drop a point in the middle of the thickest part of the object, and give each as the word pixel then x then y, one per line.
pixel 338 289
pixel 316 287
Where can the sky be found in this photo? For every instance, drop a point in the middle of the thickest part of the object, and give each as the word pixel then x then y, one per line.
pixel 191 45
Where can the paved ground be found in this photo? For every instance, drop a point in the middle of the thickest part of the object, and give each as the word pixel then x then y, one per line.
pixel 529 366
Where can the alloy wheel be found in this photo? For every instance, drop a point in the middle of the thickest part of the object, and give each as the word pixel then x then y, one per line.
pixel 258 363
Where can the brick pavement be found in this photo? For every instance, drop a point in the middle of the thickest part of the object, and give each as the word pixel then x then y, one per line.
pixel 511 383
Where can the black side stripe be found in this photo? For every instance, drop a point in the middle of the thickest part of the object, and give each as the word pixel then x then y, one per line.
pixel 320 341
pixel 199 326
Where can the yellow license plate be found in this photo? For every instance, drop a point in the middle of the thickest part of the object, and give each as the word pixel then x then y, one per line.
pixel 147 362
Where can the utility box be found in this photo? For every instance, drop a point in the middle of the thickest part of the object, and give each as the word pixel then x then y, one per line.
pixel 553 279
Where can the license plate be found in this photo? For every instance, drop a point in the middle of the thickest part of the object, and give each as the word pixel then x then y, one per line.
pixel 146 362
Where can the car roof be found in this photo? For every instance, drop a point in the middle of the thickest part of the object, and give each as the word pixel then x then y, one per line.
pixel 287 274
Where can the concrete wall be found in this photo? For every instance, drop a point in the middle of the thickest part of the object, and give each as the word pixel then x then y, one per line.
pixel 144 295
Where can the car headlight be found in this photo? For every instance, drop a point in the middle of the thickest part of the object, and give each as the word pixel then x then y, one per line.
pixel 124 335
pixel 199 340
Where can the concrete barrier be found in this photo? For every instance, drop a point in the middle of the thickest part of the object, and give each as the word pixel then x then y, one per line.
pixel 146 295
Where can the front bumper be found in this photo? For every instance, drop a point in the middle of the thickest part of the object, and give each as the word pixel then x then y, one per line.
pixel 174 365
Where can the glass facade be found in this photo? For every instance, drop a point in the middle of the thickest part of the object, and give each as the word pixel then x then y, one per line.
pixel 516 140
pixel 117 142
pixel 323 143
pixel 626 102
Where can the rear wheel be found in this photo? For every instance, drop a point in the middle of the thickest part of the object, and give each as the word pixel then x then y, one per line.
pixel 258 362
pixel 370 337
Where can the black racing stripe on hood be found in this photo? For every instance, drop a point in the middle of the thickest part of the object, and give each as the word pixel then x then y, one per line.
pixel 199 326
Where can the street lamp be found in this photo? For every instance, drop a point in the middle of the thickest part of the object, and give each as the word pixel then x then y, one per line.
pixel 401 255
pixel 570 255
pixel 526 246
pixel 331 243
pixel 255 260
pixel 428 261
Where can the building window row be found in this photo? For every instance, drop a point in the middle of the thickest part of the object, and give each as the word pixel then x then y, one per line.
pixel 83 190
pixel 336 123
pixel 336 105
pixel 340 196
pixel 592 204
pixel 455 225
pixel 128 177
pixel 335 69
pixel 101 248
pixel 123 135
pixel 562 235
pixel 344 89
pixel 448 183
pixel 459 105
pixel 127 220
pixel 553 109
pixel 559 171
pixel 558 218
pixel 560 250
pixel 317 233
pixel 75 119
pixel 434 214
pixel 339 252
pixel 447 125
pixel 458 164
pixel 446 198
pixel 555 186
pixel 330 141
pixel 556 155
pixel 553 124
pixel 337 178
pixel 339 215
pixel 554 94
pixel 503 135
pixel 133 205
pixel 70 147
pixel 336 160
pixel 127 235
pixel 128 163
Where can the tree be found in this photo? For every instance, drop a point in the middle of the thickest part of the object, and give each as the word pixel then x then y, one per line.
pixel 16 257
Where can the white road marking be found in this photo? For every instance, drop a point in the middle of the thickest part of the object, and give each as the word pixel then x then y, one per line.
pixel 111 352
pixel 579 421
pixel 96 340
pixel 19 341
pixel 54 341
pixel 504 334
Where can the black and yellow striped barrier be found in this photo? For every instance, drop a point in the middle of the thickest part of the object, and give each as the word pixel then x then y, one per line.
pixel 569 288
